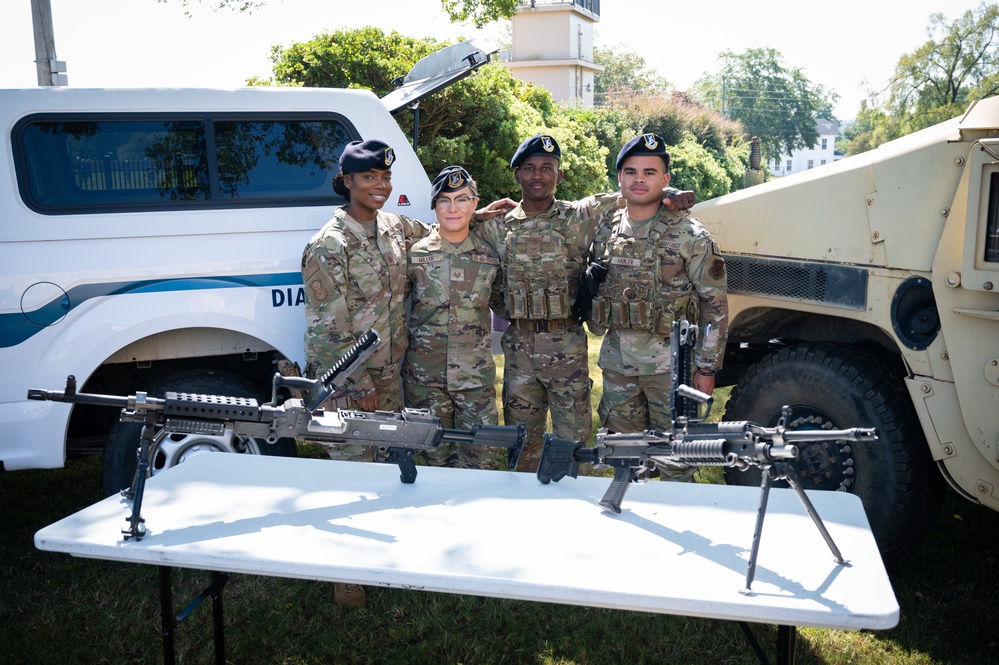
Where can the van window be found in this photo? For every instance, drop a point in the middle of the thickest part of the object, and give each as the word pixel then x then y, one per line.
pixel 100 164
pixel 991 252
pixel 277 159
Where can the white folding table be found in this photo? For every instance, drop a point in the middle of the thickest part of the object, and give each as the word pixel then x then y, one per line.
pixel 499 534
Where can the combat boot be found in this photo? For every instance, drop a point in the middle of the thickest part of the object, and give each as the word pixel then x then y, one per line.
pixel 349 595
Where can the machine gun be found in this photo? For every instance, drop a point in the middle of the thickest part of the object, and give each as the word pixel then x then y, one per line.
pixel 397 436
pixel 692 443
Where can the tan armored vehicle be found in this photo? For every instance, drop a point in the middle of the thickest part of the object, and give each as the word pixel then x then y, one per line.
pixel 866 293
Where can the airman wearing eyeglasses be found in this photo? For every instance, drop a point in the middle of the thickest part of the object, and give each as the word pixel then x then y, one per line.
pixel 453 278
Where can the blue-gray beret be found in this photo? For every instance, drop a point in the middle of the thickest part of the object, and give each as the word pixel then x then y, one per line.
pixel 542 144
pixel 366 155
pixel 646 144
pixel 450 179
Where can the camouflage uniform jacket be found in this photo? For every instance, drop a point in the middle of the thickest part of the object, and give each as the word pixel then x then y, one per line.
pixel 450 338
pixel 667 268
pixel 544 255
pixel 355 283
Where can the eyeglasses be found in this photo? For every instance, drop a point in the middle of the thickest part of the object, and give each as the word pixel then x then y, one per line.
pixel 461 201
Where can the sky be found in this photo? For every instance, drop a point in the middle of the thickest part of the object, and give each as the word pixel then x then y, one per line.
pixel 849 46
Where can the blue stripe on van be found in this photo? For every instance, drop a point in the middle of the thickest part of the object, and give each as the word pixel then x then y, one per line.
pixel 15 328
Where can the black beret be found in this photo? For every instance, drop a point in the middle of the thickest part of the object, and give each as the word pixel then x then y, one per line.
pixel 366 155
pixel 542 144
pixel 450 179
pixel 646 144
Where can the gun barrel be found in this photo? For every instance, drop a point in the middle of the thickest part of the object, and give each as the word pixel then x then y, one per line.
pixel 484 435
pixel 115 401
pixel 852 434
pixel 511 437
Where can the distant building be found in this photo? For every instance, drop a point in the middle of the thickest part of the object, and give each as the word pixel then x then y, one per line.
pixel 553 48
pixel 823 152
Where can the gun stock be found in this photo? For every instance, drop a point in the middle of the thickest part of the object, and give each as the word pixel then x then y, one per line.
pixel 558 459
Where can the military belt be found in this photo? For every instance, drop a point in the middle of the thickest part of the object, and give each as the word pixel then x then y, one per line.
pixel 544 326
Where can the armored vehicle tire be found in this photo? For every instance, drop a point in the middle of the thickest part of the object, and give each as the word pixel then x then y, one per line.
pixel 833 387
pixel 119 461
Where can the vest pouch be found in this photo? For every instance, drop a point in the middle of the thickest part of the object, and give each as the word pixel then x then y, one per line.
pixel 558 305
pixel 619 314
pixel 638 315
pixel 599 312
pixel 663 323
pixel 517 304
pixel 537 305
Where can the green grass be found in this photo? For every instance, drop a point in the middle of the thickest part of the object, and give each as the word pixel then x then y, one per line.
pixel 61 610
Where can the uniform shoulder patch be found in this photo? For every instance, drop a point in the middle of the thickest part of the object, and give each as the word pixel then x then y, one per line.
pixel 309 267
pixel 319 292
pixel 718 268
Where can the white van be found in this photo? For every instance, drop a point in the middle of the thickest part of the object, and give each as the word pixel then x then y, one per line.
pixel 152 239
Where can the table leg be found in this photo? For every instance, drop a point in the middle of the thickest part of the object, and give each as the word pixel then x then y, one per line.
pixel 785 642
pixel 166 615
pixel 218 581
pixel 786 638
pixel 170 620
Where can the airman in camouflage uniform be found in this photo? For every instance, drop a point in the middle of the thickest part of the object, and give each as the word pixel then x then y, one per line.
pixel 661 265
pixel 449 368
pixel 543 244
pixel 354 270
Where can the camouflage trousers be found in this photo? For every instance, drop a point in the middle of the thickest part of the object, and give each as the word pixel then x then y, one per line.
pixel 386 382
pixel 545 371
pixel 631 404
pixel 458 409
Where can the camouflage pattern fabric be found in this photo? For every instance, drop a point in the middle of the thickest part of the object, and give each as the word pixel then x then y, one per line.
pixel 449 366
pixel 545 372
pixel 545 357
pixel 667 267
pixel 355 281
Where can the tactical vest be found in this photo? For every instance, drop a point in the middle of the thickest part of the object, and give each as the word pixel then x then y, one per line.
pixel 542 269
pixel 646 286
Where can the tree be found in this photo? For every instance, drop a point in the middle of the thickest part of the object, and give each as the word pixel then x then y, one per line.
pixel 479 12
pixel 479 121
pixel 363 58
pixel 774 102
pixel 624 72
pixel 234 5
pixel 959 63
pixel 933 83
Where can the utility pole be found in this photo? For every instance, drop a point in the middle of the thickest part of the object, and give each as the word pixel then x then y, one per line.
pixel 50 70
pixel 723 96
